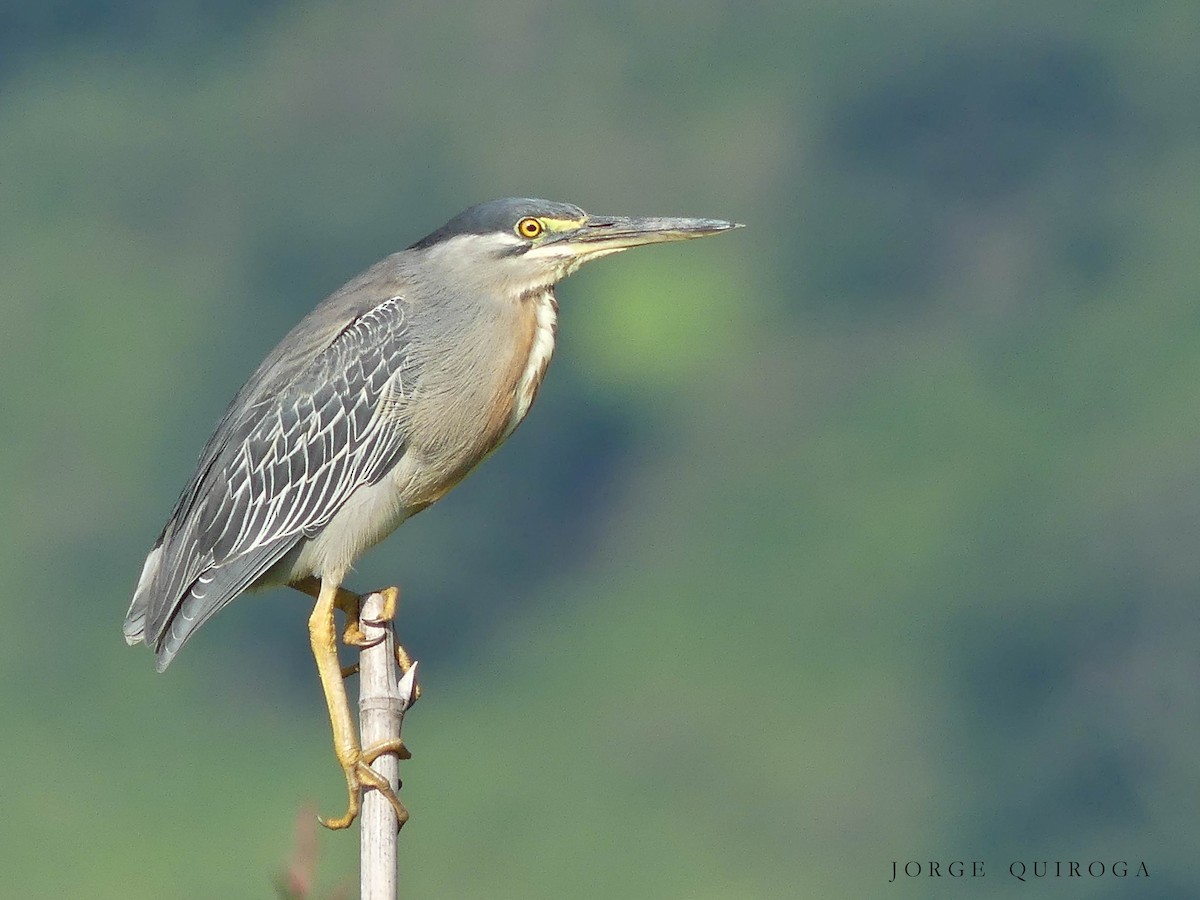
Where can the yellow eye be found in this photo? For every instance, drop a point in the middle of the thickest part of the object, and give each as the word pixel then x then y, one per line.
pixel 529 228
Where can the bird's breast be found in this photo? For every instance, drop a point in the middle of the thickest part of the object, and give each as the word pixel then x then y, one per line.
pixel 472 391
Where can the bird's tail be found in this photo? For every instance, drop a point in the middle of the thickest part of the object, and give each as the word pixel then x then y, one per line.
pixel 135 619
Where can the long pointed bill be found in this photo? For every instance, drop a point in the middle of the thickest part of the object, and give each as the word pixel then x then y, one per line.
pixel 601 235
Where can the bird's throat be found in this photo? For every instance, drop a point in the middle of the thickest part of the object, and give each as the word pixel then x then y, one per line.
pixel 545 312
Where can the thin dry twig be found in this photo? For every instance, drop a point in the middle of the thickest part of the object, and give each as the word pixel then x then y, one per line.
pixel 382 701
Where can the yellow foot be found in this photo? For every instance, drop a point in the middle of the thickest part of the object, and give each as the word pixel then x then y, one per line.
pixel 355 763
pixel 360 776
pixel 351 605
pixel 391 600
pixel 353 636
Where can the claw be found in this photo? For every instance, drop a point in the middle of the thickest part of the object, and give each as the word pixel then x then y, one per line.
pixel 360 776
pixel 391 597
pixel 353 635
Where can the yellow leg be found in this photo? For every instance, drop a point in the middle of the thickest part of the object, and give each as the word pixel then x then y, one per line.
pixel 354 762
pixel 347 601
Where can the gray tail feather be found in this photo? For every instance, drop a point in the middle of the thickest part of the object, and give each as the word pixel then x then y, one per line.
pixel 196 608
pixel 210 593
pixel 135 619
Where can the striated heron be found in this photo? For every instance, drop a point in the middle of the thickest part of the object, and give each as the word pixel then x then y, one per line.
pixel 382 399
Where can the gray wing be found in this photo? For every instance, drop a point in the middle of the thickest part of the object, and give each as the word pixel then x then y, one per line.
pixel 280 465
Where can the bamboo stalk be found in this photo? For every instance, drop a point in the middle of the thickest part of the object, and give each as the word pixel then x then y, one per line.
pixel 382 701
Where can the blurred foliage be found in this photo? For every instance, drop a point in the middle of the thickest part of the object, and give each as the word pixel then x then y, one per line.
pixel 867 533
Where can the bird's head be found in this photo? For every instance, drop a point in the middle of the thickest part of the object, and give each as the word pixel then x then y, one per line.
pixel 521 244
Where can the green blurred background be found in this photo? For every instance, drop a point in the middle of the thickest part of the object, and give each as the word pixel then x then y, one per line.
pixel 868 533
